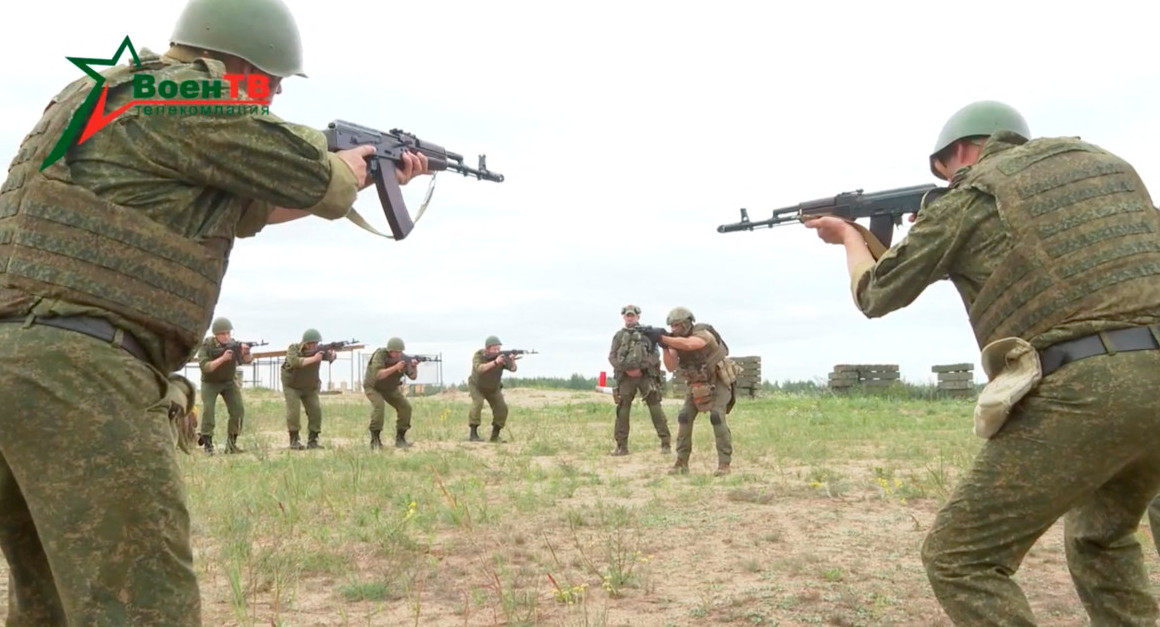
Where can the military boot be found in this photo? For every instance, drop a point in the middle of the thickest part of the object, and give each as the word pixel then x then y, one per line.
pixel 206 442
pixel 495 433
pixel 376 443
pixel 313 441
pixel 680 468
pixel 401 440
pixel 232 445
pixel 666 447
pixel 295 443
pixel 621 449
pixel 722 469
pixel 474 437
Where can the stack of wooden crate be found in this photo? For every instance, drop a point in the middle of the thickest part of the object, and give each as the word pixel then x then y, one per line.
pixel 956 379
pixel 846 376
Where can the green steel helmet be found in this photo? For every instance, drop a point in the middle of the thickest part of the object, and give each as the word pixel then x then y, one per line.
pixel 222 325
pixel 396 344
pixel 680 314
pixel 311 335
pixel 262 32
pixel 492 341
pixel 980 118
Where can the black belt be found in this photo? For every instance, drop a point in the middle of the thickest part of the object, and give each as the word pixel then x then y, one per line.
pixel 93 327
pixel 1056 356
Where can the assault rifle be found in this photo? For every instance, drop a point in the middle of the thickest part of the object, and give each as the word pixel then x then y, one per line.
pixel 410 358
pixel 236 347
pixel 389 149
pixel 331 346
pixel 654 334
pixel 508 354
pixel 885 210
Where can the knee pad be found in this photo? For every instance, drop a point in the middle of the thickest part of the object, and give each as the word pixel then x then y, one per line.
pixel 683 417
pixel 714 418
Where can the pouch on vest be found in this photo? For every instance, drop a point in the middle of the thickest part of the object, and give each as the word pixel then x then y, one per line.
pixel 728 371
pixel 1013 369
pixel 702 395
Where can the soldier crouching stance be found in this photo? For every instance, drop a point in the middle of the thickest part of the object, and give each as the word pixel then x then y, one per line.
pixel 702 357
pixel 487 367
pixel 381 384
pixel 636 368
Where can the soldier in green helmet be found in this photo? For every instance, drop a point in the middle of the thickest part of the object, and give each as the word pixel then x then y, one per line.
pixel 636 368
pixel 382 383
pixel 301 384
pixel 697 350
pixel 112 255
pixel 1052 245
pixel 219 378
pixel 487 368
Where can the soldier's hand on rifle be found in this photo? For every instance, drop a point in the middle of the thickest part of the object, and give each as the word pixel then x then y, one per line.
pixel 356 158
pixel 414 164
pixel 330 356
pixel 832 230
pixel 227 356
pixel 414 363
pixel 245 349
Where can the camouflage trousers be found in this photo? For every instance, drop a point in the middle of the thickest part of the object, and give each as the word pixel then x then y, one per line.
pixel 295 400
pixel 722 394
pixel 1084 445
pixel 395 399
pixel 624 393
pixel 1154 521
pixel 499 408
pixel 93 516
pixel 233 397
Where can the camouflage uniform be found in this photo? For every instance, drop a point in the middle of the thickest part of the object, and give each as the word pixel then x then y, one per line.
pixel 222 381
pixel 383 392
pixel 1154 521
pixel 486 386
pixel 1047 240
pixel 649 385
pixel 711 382
pixel 300 387
pixel 125 239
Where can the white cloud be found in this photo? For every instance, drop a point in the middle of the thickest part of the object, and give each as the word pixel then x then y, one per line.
pixel 627 133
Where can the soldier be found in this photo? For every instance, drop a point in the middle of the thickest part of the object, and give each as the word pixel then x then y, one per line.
pixel 1051 243
pixel 301 384
pixel 487 367
pixel 381 384
pixel 111 264
pixel 703 358
pixel 219 376
pixel 636 367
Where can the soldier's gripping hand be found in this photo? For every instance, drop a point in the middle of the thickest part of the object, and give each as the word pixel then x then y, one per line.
pixel 414 164
pixel 356 158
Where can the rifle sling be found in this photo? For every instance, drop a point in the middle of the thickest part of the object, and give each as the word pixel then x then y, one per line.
pixel 361 222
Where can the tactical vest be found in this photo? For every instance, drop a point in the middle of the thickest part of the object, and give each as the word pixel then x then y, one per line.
pixel 635 350
pixel 701 364
pixel 59 240
pixel 1085 235
pixel 224 372
pixel 303 377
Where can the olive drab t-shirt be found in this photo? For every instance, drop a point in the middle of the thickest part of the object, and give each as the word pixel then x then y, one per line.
pixel 224 372
pixel 377 362
pixel 182 186
pixel 489 381
pixel 298 376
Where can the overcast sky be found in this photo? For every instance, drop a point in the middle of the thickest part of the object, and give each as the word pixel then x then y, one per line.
pixel 627 132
